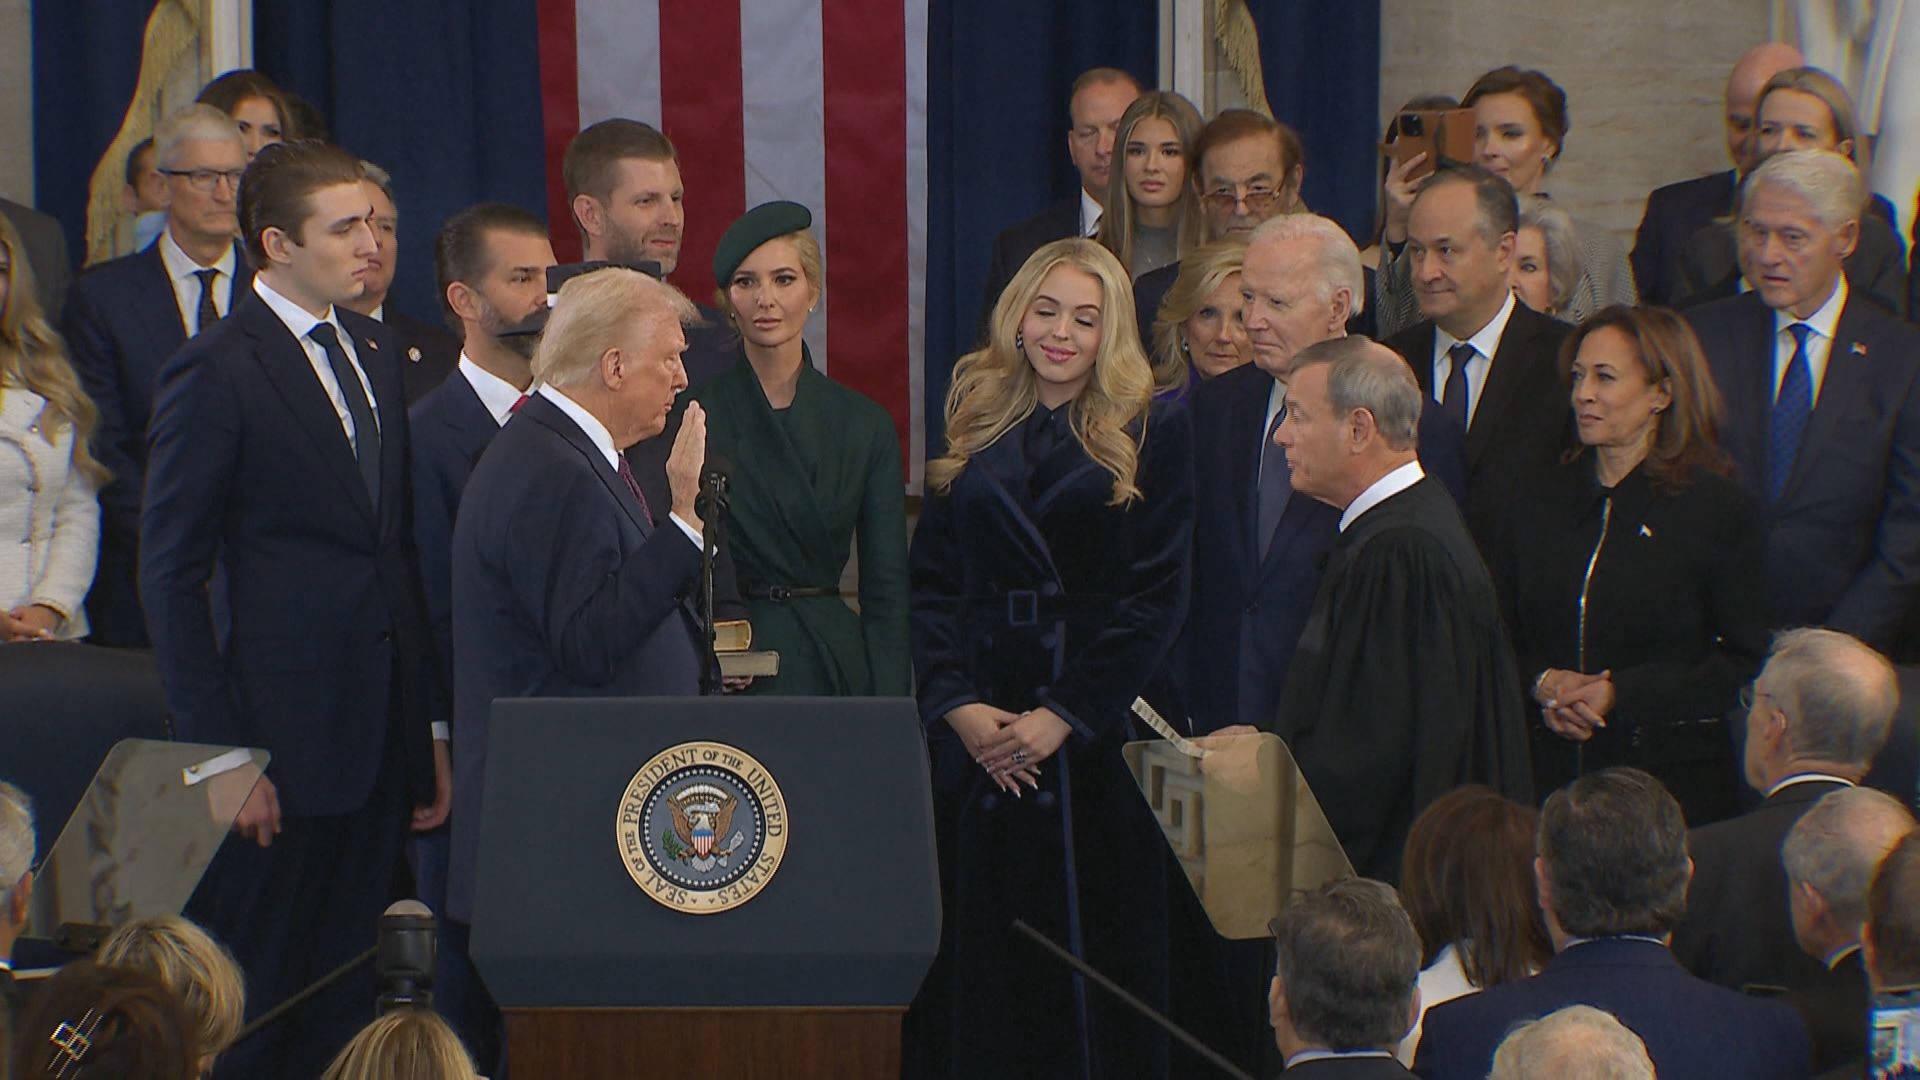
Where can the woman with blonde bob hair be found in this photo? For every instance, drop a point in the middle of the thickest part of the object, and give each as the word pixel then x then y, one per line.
pixel 48 476
pixel 199 971
pixel 1200 332
pixel 1049 575
pixel 407 1044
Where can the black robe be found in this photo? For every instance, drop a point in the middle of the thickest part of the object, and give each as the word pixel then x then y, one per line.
pixel 1403 686
pixel 1029 590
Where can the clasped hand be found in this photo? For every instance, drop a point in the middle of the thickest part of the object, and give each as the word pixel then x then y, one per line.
pixel 1573 705
pixel 1009 746
pixel 29 622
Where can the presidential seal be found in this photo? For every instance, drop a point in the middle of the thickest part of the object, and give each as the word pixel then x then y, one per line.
pixel 702 827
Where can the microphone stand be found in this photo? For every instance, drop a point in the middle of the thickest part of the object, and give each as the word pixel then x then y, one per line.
pixel 712 504
pixel 301 998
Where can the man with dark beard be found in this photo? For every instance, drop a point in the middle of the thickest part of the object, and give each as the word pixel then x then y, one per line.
pixel 491 261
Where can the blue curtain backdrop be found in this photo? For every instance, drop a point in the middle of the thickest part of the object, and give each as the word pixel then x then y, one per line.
pixel 1321 64
pixel 998 74
pixel 86 61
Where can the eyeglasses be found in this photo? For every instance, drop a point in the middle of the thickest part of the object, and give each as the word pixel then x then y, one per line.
pixel 1749 694
pixel 1260 201
pixel 205 179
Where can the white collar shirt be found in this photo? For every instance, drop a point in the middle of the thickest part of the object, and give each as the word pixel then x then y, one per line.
pixel 1485 342
pixel 183 275
pixel 299 322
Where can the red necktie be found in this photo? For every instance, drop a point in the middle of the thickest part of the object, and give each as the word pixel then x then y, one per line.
pixel 626 473
pixel 515 407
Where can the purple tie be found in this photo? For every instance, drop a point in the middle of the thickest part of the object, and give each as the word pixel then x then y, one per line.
pixel 626 473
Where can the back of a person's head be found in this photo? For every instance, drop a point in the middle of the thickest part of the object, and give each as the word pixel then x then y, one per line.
pixel 1892 938
pixel 1348 961
pixel 1578 1042
pixel 1836 846
pixel 1838 693
pixel 1614 845
pixel 194 966
pixel 1466 877
pixel 406 1044
pixel 90 1020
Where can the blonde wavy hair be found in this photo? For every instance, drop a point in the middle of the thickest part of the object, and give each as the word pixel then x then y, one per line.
pixel 34 357
pixel 1203 270
pixel 995 388
pixel 407 1044
pixel 199 971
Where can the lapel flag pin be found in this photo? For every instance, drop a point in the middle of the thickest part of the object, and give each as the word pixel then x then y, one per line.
pixel 1646 532
pixel 372 344
pixel 1859 349
pixel 413 353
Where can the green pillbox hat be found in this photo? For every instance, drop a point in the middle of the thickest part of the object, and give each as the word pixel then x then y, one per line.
pixel 756 227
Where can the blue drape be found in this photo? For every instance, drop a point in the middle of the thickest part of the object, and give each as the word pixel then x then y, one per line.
pixel 1321 65
pixel 86 62
pixel 998 76
pixel 443 94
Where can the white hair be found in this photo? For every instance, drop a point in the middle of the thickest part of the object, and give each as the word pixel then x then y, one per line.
pixel 192 123
pixel 1829 183
pixel 593 312
pixel 1838 844
pixel 1578 1042
pixel 1335 260
pixel 16 838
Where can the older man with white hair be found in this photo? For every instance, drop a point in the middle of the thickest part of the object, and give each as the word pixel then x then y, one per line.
pixel 565 583
pixel 1822 403
pixel 1578 1042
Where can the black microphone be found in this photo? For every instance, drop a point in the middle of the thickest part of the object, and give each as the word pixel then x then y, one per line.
pixel 716 480
pixel 403 965
pixel 716 477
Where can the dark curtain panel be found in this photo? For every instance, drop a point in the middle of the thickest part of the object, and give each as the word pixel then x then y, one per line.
pixel 998 74
pixel 1321 64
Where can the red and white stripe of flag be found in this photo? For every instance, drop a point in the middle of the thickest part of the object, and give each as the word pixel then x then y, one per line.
pixel 821 103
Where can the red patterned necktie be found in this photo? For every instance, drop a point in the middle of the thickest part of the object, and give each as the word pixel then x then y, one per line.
pixel 626 473
pixel 516 406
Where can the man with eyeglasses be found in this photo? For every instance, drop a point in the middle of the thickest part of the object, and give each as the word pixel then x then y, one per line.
pixel 125 317
pixel 1822 407
pixel 1248 168
pixel 1100 96
pixel 1815 718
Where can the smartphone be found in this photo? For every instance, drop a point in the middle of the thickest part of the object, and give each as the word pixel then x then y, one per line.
pixel 1439 134
pixel 1893 1046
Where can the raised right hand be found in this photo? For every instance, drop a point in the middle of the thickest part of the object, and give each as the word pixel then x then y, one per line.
pixel 259 817
pixel 684 462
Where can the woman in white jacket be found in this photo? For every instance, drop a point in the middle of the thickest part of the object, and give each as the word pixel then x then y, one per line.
pixel 49 512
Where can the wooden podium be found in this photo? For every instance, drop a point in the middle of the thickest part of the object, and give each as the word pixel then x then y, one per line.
pixel 724 887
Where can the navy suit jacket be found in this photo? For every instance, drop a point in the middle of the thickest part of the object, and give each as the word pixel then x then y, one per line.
pixel 1150 291
pixel 1843 544
pixel 1248 611
pixel 429 352
pixel 122 324
pixel 561 588
pixel 451 429
pixel 1693 1029
pixel 284 605
pixel 1016 243
pixel 1674 213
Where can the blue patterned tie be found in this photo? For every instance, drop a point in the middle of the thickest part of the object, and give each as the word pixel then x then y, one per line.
pixel 1453 400
pixel 1276 484
pixel 1790 412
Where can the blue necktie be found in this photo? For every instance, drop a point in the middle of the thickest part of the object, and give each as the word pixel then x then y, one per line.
pixel 1790 412
pixel 1453 400
pixel 1276 484
pixel 366 433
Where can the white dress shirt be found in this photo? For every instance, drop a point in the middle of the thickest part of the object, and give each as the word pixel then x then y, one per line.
pixel 1819 343
pixel 1441 982
pixel 299 321
pixel 497 395
pixel 1808 778
pixel 1381 490
pixel 602 439
pixel 1485 342
pixel 186 287
pixel 1090 212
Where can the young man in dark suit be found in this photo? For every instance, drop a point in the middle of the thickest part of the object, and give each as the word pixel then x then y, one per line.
pixel 491 261
pixel 1611 870
pixel 1821 710
pixel 282 596
pixel 1345 987
pixel 1677 211
pixel 567 581
pixel 1822 407
pixel 126 317
pixel 1483 359
pixel 427 350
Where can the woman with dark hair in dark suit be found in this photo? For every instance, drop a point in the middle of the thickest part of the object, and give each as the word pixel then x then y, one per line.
pixel 1631 575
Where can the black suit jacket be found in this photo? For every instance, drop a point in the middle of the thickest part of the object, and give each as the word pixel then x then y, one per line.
pixel 1150 291
pixel 1674 213
pixel 428 353
pixel 451 429
pixel 1693 1029
pixel 1523 421
pixel 46 245
pixel 1843 545
pixel 1017 243
pixel 1737 931
pixel 1353 1068
pixel 122 324
pixel 561 588
pixel 1837 1013
pixel 1710 266
pixel 284 603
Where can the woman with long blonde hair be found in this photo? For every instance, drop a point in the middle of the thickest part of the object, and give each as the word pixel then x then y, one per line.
pixel 1049 576
pixel 49 510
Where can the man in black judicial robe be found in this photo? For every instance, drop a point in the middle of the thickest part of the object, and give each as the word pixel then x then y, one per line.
pixel 1403 685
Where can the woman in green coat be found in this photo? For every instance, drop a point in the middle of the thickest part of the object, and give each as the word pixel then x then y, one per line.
pixel 815 466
